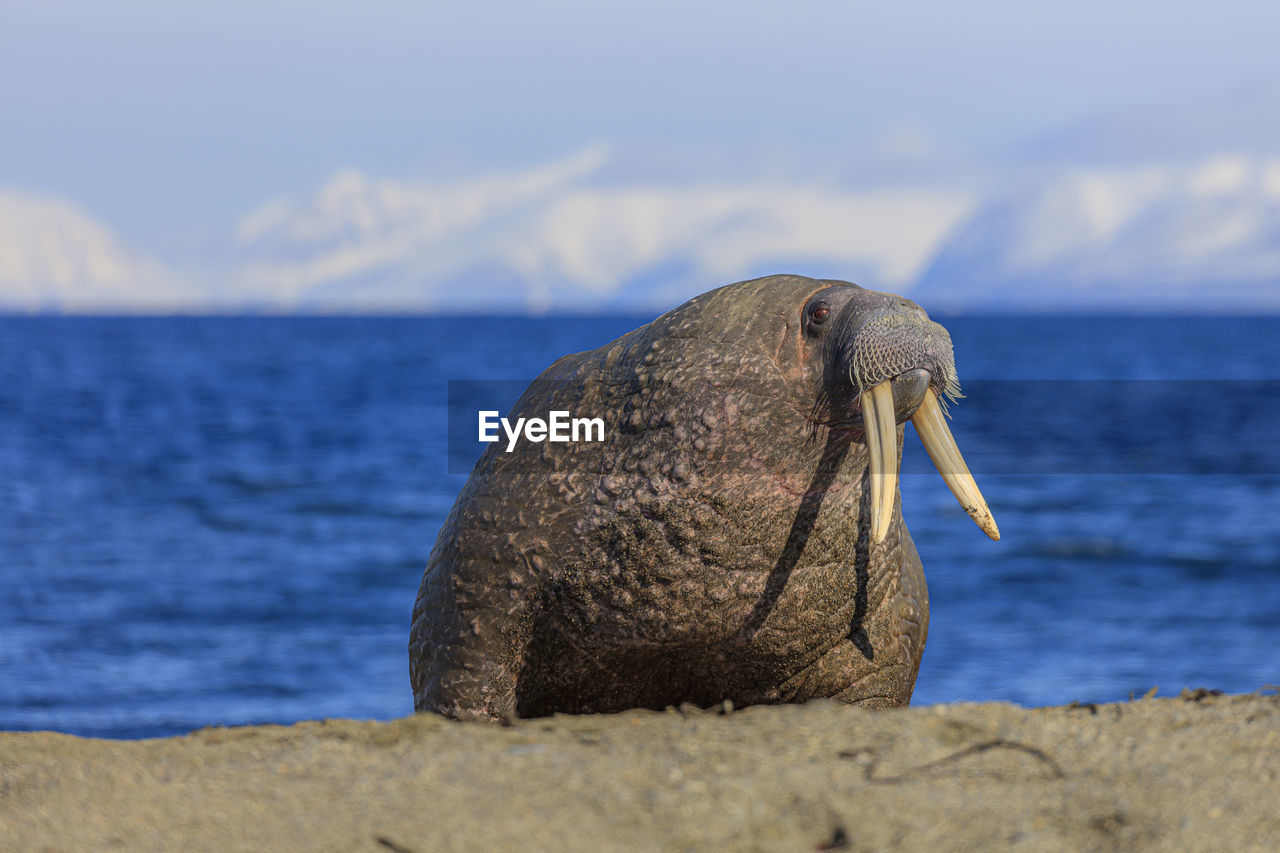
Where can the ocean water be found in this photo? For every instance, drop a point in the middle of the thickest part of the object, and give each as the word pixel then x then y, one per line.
pixel 213 521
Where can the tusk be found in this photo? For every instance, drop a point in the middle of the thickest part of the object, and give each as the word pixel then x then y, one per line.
pixel 882 446
pixel 931 426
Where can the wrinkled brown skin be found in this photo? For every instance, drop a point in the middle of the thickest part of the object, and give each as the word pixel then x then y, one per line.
pixel 715 546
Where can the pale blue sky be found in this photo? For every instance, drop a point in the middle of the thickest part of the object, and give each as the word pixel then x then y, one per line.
pixel 159 116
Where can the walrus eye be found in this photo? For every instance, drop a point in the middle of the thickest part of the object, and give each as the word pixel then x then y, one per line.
pixel 818 314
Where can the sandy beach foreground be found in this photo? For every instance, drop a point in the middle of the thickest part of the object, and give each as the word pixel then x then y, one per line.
pixel 1197 772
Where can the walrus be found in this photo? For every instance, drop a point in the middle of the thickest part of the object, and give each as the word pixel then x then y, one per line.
pixel 736 536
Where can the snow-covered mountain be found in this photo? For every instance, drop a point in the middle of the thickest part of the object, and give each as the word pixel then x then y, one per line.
pixel 568 236
pixel 1160 209
pixel 1200 236
pixel 56 257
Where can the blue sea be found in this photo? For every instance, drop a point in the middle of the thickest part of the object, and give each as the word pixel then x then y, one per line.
pixel 220 521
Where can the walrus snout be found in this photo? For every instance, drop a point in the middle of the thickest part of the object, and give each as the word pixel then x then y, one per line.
pixel 893 342
pixel 908 392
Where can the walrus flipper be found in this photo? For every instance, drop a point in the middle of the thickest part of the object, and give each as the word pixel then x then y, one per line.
pixel 467 643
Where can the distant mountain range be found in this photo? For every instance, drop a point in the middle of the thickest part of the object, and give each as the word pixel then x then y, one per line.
pixel 1198 237
pixel 56 257
pixel 567 236
pixel 1121 227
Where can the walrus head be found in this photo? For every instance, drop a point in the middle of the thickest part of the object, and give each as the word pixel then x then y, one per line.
pixel 881 361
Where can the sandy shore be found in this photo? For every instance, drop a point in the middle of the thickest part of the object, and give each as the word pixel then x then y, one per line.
pixel 1186 773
